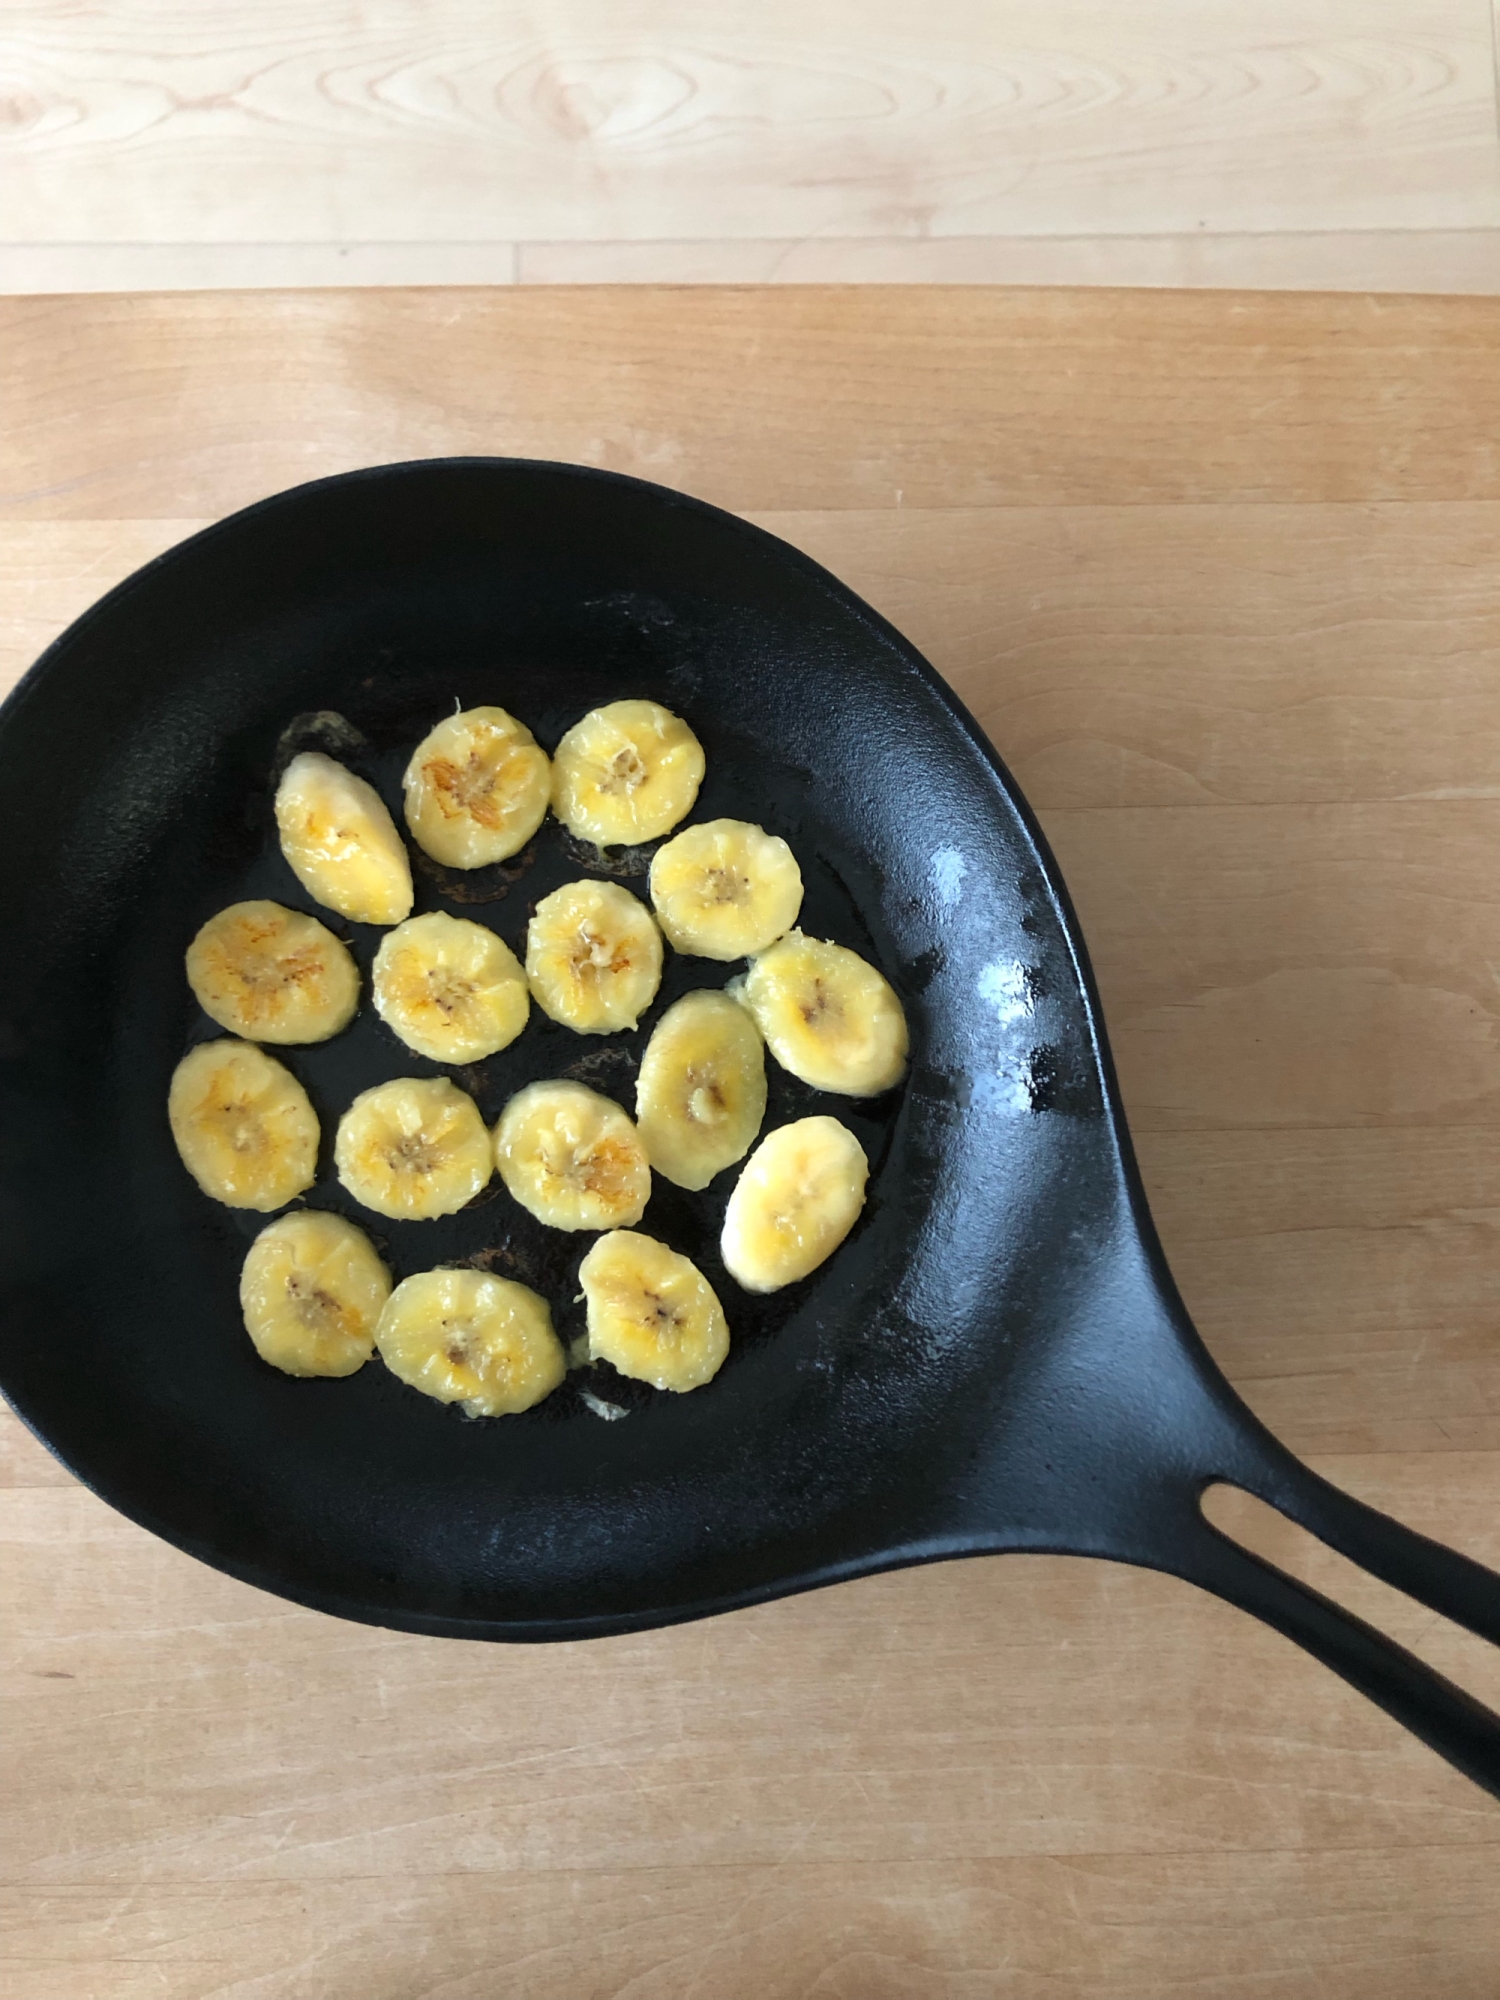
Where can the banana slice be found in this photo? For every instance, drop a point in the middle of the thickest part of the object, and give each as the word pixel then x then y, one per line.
pixel 272 974
pixel 311 1290
pixel 243 1125
pixel 413 1148
pixel 701 1093
pixel 465 1337
pixel 827 1016
pixel 341 842
pixel 477 788
pixel 651 1313
pixel 572 1158
pixel 593 957
pixel 796 1201
pixel 626 773
pixel 726 889
pixel 449 988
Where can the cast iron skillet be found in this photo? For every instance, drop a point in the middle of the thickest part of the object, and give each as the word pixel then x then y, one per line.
pixel 997 1359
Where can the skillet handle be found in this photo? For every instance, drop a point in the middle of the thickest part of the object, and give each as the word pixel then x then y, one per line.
pixel 1439 1577
pixel 1104 1439
pixel 1446 1719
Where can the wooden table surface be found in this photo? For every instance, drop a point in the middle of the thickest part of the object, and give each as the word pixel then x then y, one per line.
pixel 1219 575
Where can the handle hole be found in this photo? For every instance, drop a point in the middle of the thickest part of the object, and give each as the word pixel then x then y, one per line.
pixel 1265 1532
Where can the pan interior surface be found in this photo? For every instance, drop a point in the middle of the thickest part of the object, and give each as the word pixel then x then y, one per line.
pixel 137 765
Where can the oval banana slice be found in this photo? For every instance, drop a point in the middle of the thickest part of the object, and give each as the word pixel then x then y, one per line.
pixel 593 957
pixel 449 988
pixel 626 773
pixel 273 974
pixel 477 788
pixel 701 1092
pixel 827 1016
pixel 341 842
pixel 243 1125
pixel 651 1312
pixel 465 1337
pixel 311 1290
pixel 725 889
pixel 572 1158
pixel 799 1196
pixel 413 1148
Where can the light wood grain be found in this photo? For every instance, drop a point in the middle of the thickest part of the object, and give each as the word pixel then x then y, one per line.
pixel 181 267
pixel 1345 1280
pixel 55 570
pixel 1202 654
pixel 469 122
pixel 1220 577
pixel 1023 144
pixel 1351 260
pixel 23 1461
pixel 1020 398
pixel 1310 965
pixel 1135 1928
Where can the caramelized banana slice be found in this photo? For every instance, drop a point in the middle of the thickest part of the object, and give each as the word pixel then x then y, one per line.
pixel 311 1290
pixel 413 1148
pixel 451 989
pixel 827 1016
pixel 341 842
pixel 477 788
pixel 626 773
pixel 243 1125
pixel 593 957
pixel 799 1196
pixel 465 1337
pixel 725 889
pixel 651 1313
pixel 701 1093
pixel 572 1158
pixel 272 974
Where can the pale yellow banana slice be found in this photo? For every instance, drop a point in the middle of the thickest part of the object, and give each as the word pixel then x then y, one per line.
pixel 799 1196
pixel 701 1093
pixel 593 957
pixel 572 1158
pixel 465 1337
pixel 449 988
pixel 626 773
pixel 243 1125
pixel 477 788
pixel 311 1290
pixel 827 1016
pixel 725 889
pixel 273 974
pixel 341 842
pixel 651 1313
pixel 413 1148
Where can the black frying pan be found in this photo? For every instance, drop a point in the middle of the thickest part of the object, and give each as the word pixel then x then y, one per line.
pixel 997 1358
